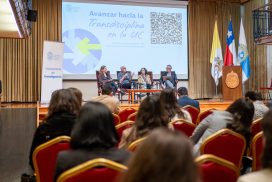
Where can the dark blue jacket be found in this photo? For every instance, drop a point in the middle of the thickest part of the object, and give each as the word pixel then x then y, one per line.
pixel 185 100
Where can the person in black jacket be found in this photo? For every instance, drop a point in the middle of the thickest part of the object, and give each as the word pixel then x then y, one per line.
pixel 93 136
pixel 62 111
pixel 169 78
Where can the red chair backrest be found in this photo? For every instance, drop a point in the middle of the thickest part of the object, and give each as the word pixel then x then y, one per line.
pixel 204 114
pixel 215 171
pixel 97 170
pixel 226 144
pixel 125 113
pixel 116 119
pixel 256 127
pixel 134 145
pixel 121 127
pixel 257 149
pixel 45 156
pixel 132 117
pixel 194 112
pixel 184 126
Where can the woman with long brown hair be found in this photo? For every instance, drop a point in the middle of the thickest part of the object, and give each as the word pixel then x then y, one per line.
pixel 169 104
pixel 62 111
pixel 264 175
pixel 164 156
pixel 149 117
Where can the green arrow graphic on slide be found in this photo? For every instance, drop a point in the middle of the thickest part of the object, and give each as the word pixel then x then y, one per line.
pixel 85 47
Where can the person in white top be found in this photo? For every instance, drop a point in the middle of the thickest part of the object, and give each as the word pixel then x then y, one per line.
pixel 264 175
pixel 259 106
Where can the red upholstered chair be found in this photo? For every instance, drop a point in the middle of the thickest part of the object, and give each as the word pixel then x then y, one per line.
pixel 116 119
pixel 257 149
pixel 121 127
pixel 96 170
pixel 184 126
pixel 132 117
pixel 215 169
pixel 204 114
pixel 226 144
pixel 256 127
pixel 125 113
pixel 44 158
pixel 134 145
pixel 194 112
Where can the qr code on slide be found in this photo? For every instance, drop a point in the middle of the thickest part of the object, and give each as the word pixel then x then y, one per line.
pixel 166 28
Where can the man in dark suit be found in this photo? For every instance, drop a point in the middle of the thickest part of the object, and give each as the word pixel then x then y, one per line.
pixel 169 78
pixel 185 100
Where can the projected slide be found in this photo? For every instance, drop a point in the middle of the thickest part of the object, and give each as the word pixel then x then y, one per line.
pixel 116 35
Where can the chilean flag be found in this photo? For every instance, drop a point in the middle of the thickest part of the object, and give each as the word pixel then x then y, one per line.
pixel 230 54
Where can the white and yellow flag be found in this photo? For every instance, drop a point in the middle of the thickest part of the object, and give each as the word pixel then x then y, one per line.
pixel 216 58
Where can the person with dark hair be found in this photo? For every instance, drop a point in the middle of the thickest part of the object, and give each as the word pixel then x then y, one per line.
pixel 169 104
pixel 104 77
pixel 169 78
pixel 77 93
pixel 144 80
pixel 107 98
pixel 237 117
pixel 149 117
pixel 93 136
pixel 62 111
pixel 260 107
pixel 164 156
pixel 265 174
pixel 185 100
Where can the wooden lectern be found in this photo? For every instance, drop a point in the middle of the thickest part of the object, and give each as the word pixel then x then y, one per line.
pixel 232 82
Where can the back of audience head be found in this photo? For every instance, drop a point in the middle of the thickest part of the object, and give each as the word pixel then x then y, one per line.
pixel 169 103
pixel 267 132
pixel 94 128
pixel 243 111
pixel 77 93
pixel 149 117
pixel 63 100
pixel 107 89
pixel 182 91
pixel 251 95
pixel 164 156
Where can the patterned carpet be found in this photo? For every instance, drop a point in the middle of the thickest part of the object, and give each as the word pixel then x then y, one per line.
pixel 17 126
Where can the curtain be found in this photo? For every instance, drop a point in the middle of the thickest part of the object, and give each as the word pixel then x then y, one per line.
pixel 21 59
pixel 202 16
pixel 257 53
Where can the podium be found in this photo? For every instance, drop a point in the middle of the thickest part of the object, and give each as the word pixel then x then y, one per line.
pixel 232 83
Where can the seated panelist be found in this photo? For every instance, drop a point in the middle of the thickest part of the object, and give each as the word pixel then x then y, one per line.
pixel 124 77
pixel 169 78
pixel 144 80
pixel 104 77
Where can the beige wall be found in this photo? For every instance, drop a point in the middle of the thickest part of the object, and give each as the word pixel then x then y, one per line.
pixel 89 88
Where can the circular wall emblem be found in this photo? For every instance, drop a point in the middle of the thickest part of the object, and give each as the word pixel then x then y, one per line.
pixel 232 80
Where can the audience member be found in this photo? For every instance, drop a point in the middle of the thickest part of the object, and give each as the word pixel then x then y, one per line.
pixel 169 104
pixel 237 117
pixel 107 98
pixel 185 100
pixel 169 78
pixel 105 78
pixel 62 111
pixel 124 77
pixel 163 157
pixel 144 80
pixel 259 106
pixel 77 93
pixel 93 136
pixel 149 117
pixel 264 175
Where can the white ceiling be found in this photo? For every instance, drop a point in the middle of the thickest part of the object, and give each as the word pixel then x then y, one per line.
pixel 8 25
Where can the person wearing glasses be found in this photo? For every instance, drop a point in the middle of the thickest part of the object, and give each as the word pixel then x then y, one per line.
pixel 124 77
pixel 169 78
